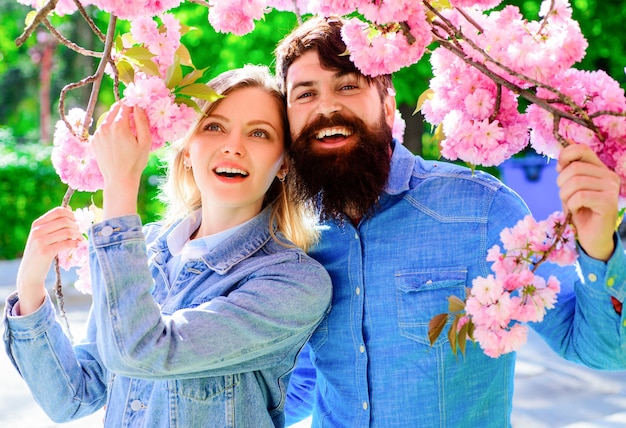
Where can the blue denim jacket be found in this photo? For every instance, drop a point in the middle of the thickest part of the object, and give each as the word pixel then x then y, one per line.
pixel 214 349
pixel 394 271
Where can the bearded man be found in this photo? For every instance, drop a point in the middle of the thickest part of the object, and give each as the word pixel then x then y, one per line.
pixel 399 235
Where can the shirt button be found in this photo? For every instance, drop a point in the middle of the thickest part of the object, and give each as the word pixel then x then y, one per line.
pixel 610 282
pixel 358 291
pixel 356 236
pixel 106 231
pixel 136 405
pixel 592 277
pixel 365 405
pixel 362 349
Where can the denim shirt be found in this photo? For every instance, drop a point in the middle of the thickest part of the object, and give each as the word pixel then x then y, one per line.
pixel 394 271
pixel 213 349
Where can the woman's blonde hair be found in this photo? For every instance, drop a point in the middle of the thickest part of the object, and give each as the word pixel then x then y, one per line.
pixel 181 194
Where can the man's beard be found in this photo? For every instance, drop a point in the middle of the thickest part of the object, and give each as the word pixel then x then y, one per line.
pixel 348 179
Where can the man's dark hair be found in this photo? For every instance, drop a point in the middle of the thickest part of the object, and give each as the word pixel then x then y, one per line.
pixel 324 36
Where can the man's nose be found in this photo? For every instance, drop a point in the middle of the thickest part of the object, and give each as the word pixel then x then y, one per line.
pixel 328 104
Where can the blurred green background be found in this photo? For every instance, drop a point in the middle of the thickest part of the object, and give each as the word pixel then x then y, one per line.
pixel 32 76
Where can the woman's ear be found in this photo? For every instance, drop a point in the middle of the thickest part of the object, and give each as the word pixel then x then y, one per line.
pixel 283 170
pixel 186 161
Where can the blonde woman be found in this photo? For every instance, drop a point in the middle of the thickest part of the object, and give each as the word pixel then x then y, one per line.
pixel 196 321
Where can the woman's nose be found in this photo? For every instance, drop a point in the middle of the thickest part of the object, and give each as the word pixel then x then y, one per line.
pixel 234 145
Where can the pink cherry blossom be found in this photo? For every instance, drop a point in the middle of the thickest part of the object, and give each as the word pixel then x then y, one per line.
pixel 300 6
pixel 129 10
pixel 63 7
pixel 162 42
pixel 377 50
pixel 332 7
pixel 73 157
pixel 399 125
pixel 169 121
pixel 235 16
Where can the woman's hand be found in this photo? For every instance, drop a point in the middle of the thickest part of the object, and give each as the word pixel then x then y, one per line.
pixel 122 155
pixel 50 234
pixel 589 191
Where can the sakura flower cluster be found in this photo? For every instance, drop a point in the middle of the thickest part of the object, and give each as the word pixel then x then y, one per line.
pixel 168 119
pixel 73 157
pixel 595 93
pixel 161 41
pixel 499 303
pixel 480 118
pixel 123 9
pixel 464 102
pixel 79 256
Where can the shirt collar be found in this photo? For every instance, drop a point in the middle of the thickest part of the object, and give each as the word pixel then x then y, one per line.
pixel 402 165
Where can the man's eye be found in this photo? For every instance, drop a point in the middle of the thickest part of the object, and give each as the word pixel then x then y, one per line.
pixel 305 95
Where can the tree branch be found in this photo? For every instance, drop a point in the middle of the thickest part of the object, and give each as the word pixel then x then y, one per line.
pixel 39 17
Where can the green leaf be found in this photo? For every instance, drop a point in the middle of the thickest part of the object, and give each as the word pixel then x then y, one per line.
pixel 30 18
pixel 452 336
pixel 189 102
pixel 455 304
pixel 470 330
pixel 463 332
pixel 100 119
pixel 119 44
pixel 184 56
pixel 192 77
pixel 125 71
pixel 174 75
pixel 426 95
pixel 435 327
pixel 199 90
pixel 139 53
pixel 149 67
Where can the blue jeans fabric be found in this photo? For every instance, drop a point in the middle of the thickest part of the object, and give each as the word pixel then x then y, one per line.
pixel 213 349
pixel 370 363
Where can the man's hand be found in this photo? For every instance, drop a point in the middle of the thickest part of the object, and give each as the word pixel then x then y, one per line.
pixel 589 191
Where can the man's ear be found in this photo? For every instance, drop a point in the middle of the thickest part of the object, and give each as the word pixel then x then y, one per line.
pixel 389 106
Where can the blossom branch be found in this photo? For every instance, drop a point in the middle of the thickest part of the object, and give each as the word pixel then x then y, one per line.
pixel 89 21
pixel 579 116
pixel 544 21
pixel 555 131
pixel 524 93
pixel 39 17
pixel 97 82
pixel 67 43
pixel 496 108
pixel 559 228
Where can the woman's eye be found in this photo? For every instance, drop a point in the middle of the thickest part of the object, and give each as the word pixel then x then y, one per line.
pixel 348 87
pixel 259 133
pixel 212 126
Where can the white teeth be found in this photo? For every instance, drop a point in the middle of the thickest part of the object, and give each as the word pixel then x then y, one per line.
pixel 226 170
pixel 333 131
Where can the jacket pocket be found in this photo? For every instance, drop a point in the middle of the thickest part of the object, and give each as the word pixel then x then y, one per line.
pixel 207 388
pixel 421 295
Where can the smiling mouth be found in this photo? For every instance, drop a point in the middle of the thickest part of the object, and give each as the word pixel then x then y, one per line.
pixel 230 172
pixel 334 133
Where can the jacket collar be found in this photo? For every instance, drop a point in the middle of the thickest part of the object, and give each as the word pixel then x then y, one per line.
pixel 245 242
